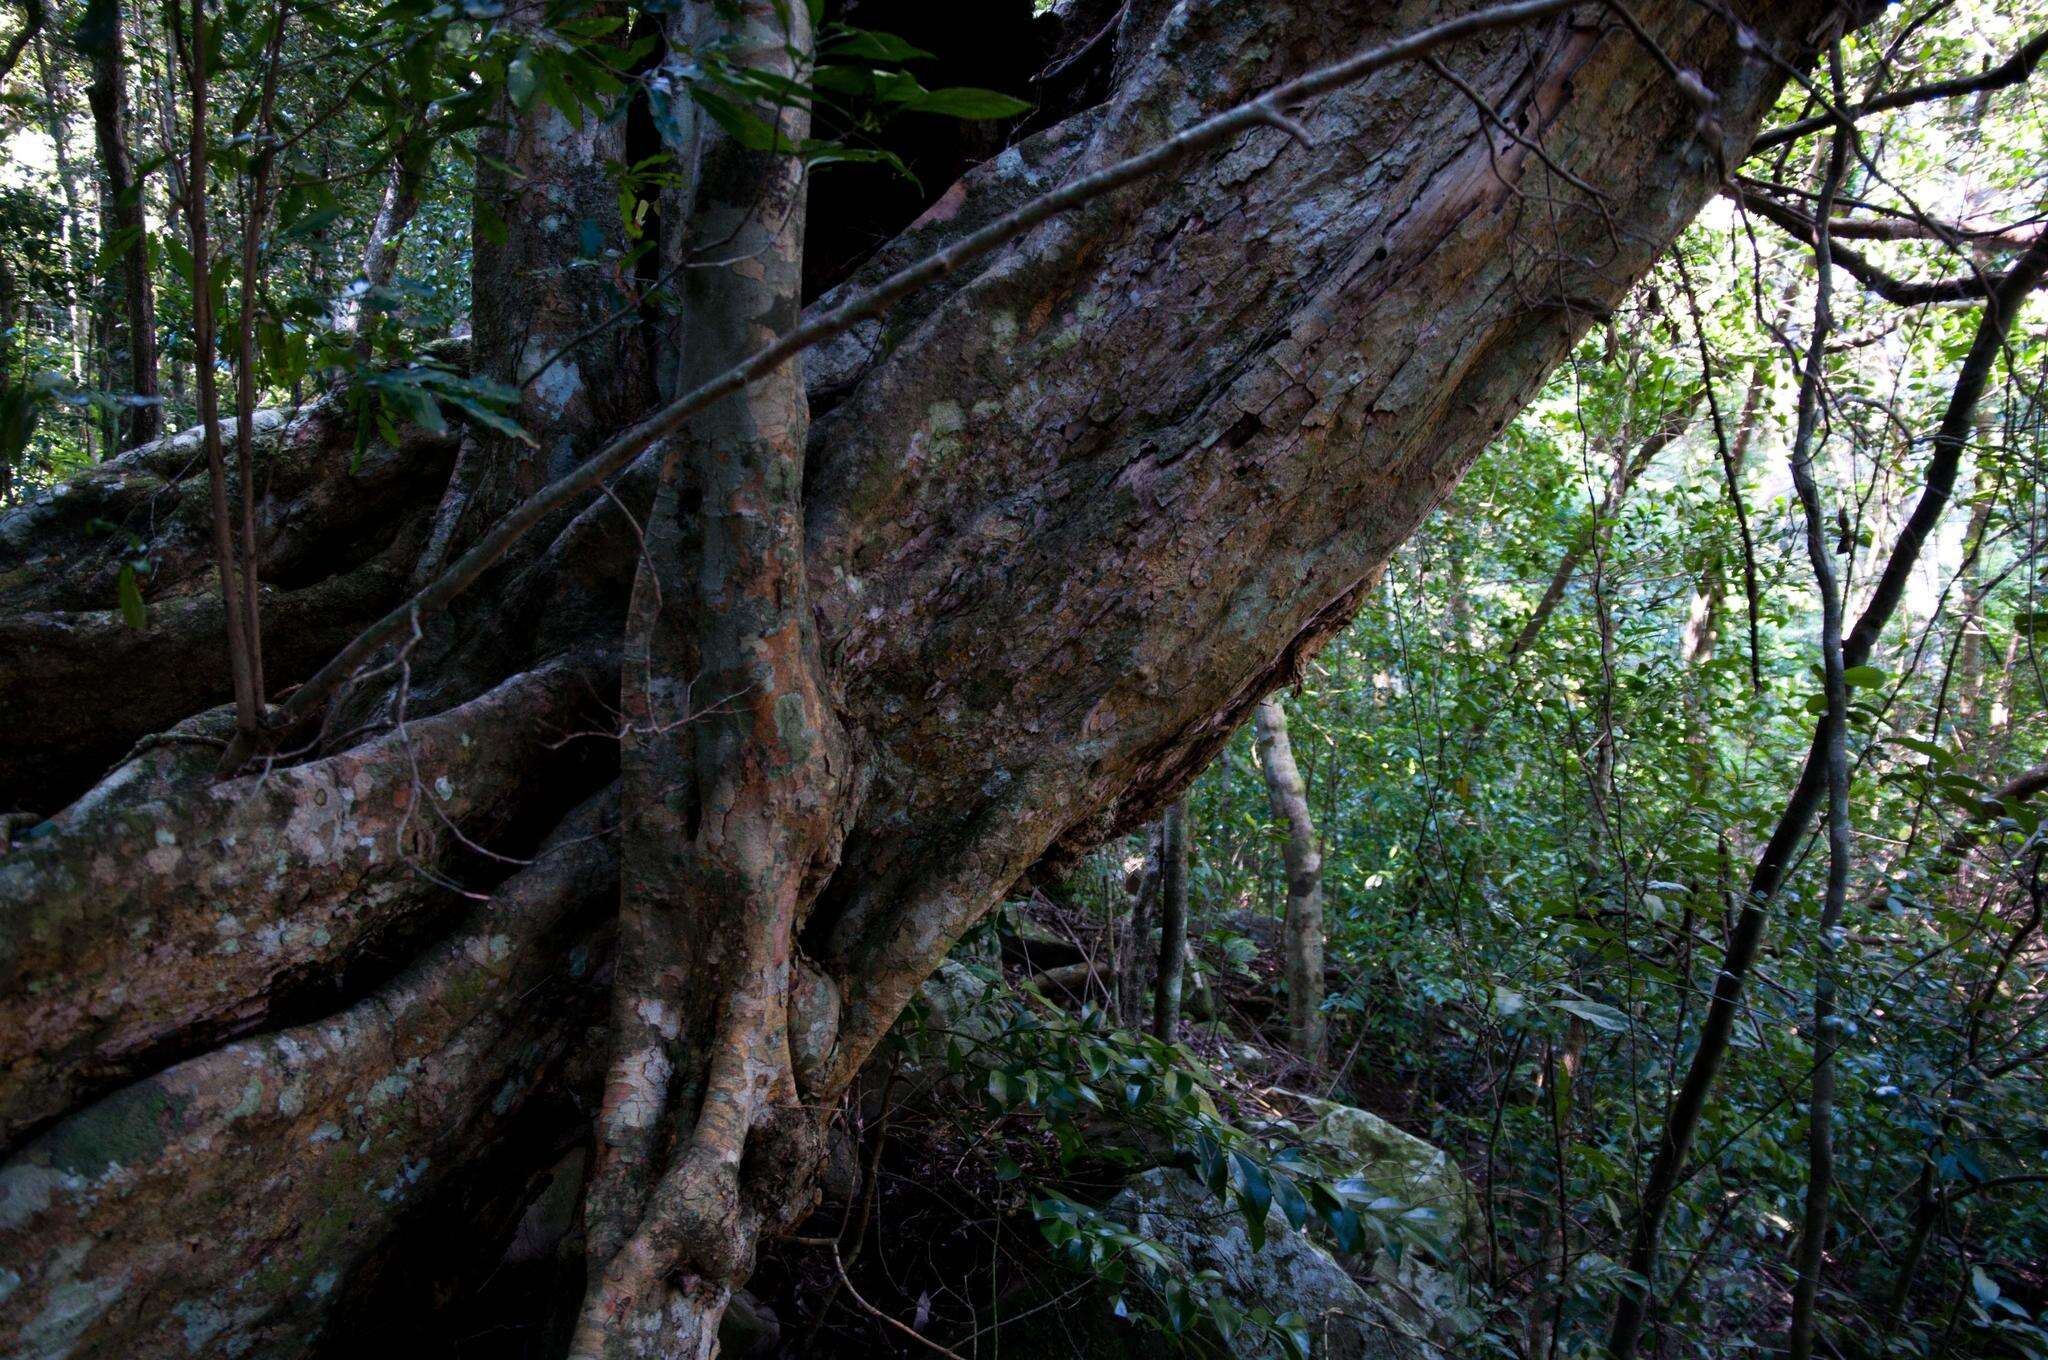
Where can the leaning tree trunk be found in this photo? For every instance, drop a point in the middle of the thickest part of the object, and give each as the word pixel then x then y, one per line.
pixel 269 1067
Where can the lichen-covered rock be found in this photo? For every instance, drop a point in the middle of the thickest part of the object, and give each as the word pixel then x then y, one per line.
pixel 1347 1319
pixel 965 1011
pixel 959 1011
pixel 1398 1165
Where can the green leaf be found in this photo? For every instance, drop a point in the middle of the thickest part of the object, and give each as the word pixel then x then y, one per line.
pixel 180 257
pixel 860 44
pixel 320 210
pixel 520 80
pixel 403 399
pixel 1291 1203
pixel 1293 1332
pixel 1936 756
pixel 1254 1196
pixel 1252 1186
pixel 1983 1286
pixel 116 246
pixel 494 420
pixel 1864 677
pixel 1593 1013
pixel 966 102
pixel 1225 1315
pixel 848 80
pixel 1345 1228
pixel 128 590
pixel 749 131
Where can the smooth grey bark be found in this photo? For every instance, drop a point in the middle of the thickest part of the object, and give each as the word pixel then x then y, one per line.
pixel 1592 538
pixel 1810 1253
pixel 56 111
pixel 401 202
pixel 1168 978
pixel 1303 952
pixel 2001 310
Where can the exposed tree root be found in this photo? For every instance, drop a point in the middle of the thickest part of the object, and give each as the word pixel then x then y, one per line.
pixel 225 1204
pixel 165 912
pixel 66 731
pixel 78 684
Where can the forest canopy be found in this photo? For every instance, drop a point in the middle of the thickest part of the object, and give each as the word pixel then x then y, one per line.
pixel 860 677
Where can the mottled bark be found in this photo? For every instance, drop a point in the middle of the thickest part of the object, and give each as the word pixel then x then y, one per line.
pixel 1134 955
pixel 362 1115
pixel 1302 955
pixel 400 204
pixel 735 772
pixel 133 931
pixel 1066 516
pixel 547 221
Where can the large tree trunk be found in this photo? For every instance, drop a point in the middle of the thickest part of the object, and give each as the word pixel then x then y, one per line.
pixel 1059 524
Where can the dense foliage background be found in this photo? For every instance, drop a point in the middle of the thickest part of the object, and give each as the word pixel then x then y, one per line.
pixel 1537 821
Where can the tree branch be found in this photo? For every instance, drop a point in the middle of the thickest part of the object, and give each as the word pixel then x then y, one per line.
pixel 31 24
pixel 1889 286
pixel 2014 69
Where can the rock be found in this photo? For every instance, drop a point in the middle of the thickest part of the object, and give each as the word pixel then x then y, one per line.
pixel 1032 944
pixel 750 1327
pixel 962 1004
pixel 840 1180
pixel 1399 1165
pixel 963 1009
pixel 1234 1052
pixel 1291 1273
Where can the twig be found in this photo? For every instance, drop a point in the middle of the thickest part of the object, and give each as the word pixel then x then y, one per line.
pixel 846 1282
